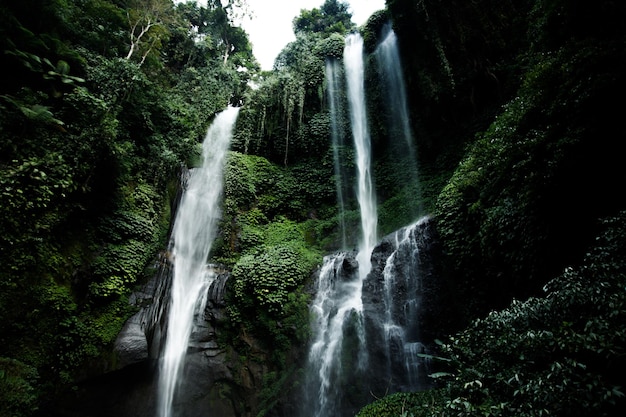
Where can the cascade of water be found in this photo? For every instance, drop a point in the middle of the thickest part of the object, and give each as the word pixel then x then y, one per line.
pixel 334 87
pixel 339 353
pixel 337 310
pixel 390 70
pixel 354 67
pixel 385 310
pixel 400 323
pixel 192 237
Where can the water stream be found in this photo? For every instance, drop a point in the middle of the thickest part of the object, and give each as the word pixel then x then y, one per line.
pixel 366 337
pixel 334 88
pixel 400 134
pixel 192 237
pixel 400 323
pixel 354 67
pixel 338 307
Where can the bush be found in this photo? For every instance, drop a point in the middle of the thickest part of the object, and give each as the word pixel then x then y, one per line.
pixel 17 393
pixel 266 275
pixel 561 354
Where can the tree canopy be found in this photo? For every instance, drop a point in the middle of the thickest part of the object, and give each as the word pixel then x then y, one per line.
pixel 332 17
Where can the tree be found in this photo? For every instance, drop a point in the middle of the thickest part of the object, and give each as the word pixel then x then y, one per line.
pixel 332 17
pixel 147 23
pixel 214 35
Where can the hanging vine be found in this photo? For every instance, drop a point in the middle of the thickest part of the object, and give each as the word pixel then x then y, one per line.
pixel 293 95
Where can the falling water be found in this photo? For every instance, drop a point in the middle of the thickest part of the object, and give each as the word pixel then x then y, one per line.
pixel 392 79
pixel 337 307
pixel 192 238
pixel 338 357
pixel 385 310
pixel 334 85
pixel 401 318
pixel 353 61
pixel 388 59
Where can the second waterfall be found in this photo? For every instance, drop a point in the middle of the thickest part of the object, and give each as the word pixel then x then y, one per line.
pixel 365 315
pixel 338 306
pixel 192 237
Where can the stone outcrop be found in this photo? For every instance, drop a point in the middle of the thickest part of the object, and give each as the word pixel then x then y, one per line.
pixel 220 382
pixel 216 382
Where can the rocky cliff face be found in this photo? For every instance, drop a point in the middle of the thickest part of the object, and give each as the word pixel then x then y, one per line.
pixel 357 357
pixel 399 305
pixel 216 381
pixel 399 302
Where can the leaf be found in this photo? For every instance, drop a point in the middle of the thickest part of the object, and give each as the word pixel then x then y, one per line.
pixel 438 358
pixel 436 375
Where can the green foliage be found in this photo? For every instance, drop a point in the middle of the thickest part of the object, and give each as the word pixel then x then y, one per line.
pixel 332 46
pixel 504 206
pixel 272 256
pixel 89 143
pixel 117 268
pixel 372 29
pixel 403 404
pixel 284 118
pixel 29 187
pixel 241 179
pixel 267 286
pixel 106 323
pixel 133 234
pixel 215 42
pixel 267 273
pixel 296 192
pixel 275 385
pixel 17 393
pixel 332 17
pixel 559 354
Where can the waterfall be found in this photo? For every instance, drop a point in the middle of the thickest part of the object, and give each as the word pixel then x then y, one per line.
pixel 368 301
pixel 333 87
pixel 337 312
pixel 192 237
pixel 367 334
pixel 398 121
pixel 338 357
pixel 400 324
pixel 354 67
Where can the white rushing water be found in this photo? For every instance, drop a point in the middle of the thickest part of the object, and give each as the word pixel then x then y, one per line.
pixel 338 305
pixel 338 296
pixel 354 66
pixel 399 126
pixel 333 86
pixel 388 58
pixel 193 234
pixel 401 324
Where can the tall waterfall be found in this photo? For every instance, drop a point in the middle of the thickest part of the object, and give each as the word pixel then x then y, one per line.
pixel 354 67
pixel 192 237
pixel 366 333
pixel 388 59
pixel 334 87
pixel 401 326
pixel 398 120
pixel 338 352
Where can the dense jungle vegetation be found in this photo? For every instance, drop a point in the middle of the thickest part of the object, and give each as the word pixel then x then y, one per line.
pixel 515 107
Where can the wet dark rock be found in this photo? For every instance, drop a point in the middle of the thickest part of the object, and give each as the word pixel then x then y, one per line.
pixel 131 345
